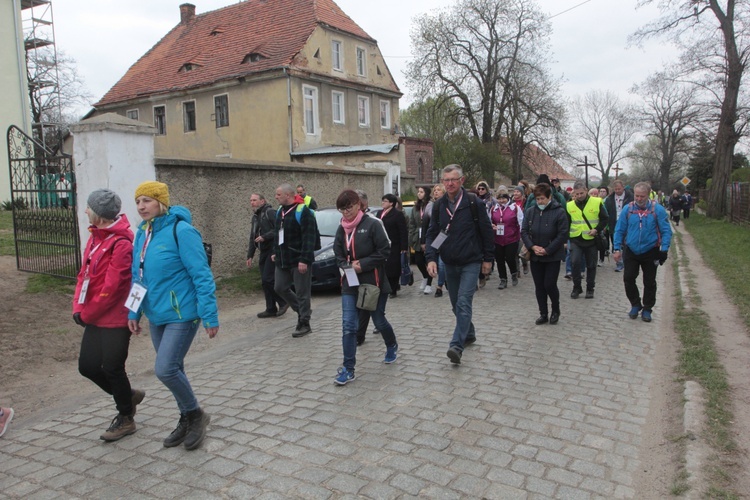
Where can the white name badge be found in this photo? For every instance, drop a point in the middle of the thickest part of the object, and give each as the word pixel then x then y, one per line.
pixel 420 233
pixel 351 276
pixel 500 230
pixel 439 239
pixel 135 297
pixel 84 289
pixel 281 237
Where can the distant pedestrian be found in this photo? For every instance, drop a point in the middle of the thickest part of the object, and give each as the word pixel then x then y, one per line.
pixel 544 232
pixel 587 218
pixel 294 249
pixel 262 233
pixel 438 190
pixel 687 204
pixel 507 219
pixel 395 226
pixel 558 188
pixel 675 206
pixel 63 190
pixel 102 288
pixel 306 198
pixel 642 239
pixel 174 288
pixel 461 233
pixel 614 203
pixel 361 247
pixel 6 415
pixel 416 234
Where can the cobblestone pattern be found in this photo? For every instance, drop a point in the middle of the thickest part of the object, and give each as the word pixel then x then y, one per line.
pixel 532 412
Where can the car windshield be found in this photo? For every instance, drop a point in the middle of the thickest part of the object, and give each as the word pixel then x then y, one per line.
pixel 328 220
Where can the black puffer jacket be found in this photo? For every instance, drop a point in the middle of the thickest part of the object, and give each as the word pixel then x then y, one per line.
pixel 371 249
pixel 546 228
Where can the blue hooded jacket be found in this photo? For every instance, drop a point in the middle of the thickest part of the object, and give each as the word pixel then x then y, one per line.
pixel 641 230
pixel 179 283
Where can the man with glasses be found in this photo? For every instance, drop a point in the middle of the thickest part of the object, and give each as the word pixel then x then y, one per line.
pixel 461 233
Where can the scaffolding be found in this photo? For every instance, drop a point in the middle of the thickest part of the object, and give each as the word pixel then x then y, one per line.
pixel 42 71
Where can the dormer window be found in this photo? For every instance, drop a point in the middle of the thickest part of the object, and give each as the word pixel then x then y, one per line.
pixel 253 57
pixel 216 31
pixel 189 67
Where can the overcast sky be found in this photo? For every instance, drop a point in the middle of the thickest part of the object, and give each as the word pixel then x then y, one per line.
pixel 588 41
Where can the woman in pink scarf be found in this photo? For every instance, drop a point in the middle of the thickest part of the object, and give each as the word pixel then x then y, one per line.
pixel 361 248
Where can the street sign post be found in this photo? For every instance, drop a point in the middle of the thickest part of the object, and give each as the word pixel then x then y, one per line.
pixel 685 181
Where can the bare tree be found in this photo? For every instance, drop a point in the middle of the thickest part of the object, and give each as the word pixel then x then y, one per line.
pixel 718 32
pixel 671 115
pixel 603 127
pixel 471 53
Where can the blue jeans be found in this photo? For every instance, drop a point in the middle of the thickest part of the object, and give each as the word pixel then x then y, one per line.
pixel 172 342
pixel 350 324
pixel 462 283
pixel 441 272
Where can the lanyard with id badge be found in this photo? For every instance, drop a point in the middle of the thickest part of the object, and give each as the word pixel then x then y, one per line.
pixel 86 278
pixel 349 272
pixel 281 229
pixel 137 290
pixel 440 238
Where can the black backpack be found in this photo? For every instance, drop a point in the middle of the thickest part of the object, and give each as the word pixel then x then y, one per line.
pixel 207 247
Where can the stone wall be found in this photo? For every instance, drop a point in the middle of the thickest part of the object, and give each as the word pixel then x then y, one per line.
pixel 218 194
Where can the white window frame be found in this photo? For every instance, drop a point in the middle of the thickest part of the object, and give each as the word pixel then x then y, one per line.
pixel 132 111
pixel 366 100
pixel 311 98
pixel 361 61
pixel 153 112
pixel 184 117
pixel 337 55
pixel 341 119
pixel 385 106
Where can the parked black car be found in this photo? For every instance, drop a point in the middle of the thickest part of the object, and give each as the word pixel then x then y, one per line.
pixel 325 272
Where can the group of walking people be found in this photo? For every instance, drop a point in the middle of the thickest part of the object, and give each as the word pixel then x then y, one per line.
pixel 457 236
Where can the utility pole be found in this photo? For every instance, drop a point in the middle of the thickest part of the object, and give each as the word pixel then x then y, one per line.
pixel 617 169
pixel 586 165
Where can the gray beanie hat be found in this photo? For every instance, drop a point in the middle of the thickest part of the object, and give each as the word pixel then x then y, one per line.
pixel 105 203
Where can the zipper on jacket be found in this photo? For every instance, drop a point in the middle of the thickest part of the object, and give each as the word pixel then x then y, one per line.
pixel 175 304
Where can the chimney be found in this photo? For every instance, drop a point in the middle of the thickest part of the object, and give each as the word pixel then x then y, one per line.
pixel 187 12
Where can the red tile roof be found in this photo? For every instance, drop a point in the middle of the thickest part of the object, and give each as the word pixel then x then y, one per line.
pixel 539 162
pixel 215 44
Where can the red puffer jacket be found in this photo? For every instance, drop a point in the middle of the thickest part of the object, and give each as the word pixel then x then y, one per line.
pixel 108 258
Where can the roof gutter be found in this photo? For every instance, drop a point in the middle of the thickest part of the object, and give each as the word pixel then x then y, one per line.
pixel 289 109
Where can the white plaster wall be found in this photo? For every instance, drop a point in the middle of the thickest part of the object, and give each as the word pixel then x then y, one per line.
pixel 113 159
pixel 14 105
pixel 393 172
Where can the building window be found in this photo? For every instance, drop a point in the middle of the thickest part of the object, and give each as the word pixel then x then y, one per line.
pixel 337 55
pixel 420 171
pixel 361 61
pixel 188 116
pixel 311 109
pixel 221 107
pixel 385 114
pixel 132 114
pixel 363 111
pixel 337 100
pixel 160 120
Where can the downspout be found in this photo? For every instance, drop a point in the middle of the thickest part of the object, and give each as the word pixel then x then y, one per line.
pixel 289 109
pixel 21 69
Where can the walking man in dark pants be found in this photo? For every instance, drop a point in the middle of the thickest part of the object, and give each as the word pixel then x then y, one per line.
pixel 262 233
pixel 642 239
pixel 588 218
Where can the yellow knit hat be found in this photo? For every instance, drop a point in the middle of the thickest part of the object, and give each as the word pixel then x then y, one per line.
pixel 155 190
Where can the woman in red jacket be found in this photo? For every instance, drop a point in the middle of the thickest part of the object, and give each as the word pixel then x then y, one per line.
pixel 99 306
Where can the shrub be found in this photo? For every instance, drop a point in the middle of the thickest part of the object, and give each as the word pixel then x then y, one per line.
pixel 18 204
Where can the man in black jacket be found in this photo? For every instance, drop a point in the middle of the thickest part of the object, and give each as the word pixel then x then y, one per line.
pixel 262 233
pixel 614 203
pixel 462 233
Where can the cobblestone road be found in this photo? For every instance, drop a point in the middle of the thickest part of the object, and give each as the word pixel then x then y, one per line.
pixel 532 412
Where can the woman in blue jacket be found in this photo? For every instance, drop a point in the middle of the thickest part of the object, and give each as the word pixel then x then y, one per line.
pixel 173 286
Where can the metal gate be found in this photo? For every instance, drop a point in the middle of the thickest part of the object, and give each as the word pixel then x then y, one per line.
pixel 42 190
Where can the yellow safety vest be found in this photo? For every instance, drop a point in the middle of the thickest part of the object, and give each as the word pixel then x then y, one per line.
pixel 578 226
pixel 308 199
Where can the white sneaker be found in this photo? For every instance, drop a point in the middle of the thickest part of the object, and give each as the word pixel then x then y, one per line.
pixel 423 284
pixel 427 290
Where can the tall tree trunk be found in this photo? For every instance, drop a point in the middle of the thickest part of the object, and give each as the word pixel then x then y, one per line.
pixel 664 177
pixel 727 137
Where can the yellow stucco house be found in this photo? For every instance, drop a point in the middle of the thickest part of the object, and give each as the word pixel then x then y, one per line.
pixel 266 80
